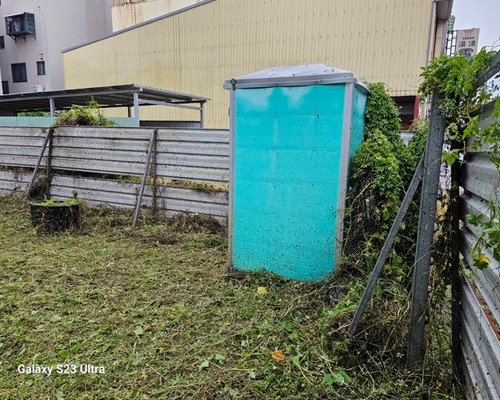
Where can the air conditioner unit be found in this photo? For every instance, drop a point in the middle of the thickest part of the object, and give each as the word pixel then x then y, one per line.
pixel 37 88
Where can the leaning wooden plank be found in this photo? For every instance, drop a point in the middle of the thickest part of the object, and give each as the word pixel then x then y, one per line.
pixel 101 143
pixel 116 199
pixel 99 167
pixel 11 181
pixel 101 185
pixel 192 173
pixel 90 132
pixel 28 132
pixel 194 135
pixel 20 161
pixel 189 206
pixel 20 141
pixel 216 149
pixel 179 193
pixel 188 160
pixel 99 155
pixel 118 193
pixel 31 151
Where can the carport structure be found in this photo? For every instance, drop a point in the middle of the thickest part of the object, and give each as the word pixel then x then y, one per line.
pixel 131 96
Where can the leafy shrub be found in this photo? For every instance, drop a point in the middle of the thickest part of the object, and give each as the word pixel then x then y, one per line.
pixel 84 115
pixel 382 169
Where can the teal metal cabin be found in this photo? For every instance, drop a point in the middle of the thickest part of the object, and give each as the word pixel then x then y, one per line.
pixel 293 133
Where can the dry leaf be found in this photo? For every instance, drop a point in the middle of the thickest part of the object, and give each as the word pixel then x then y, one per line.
pixel 278 355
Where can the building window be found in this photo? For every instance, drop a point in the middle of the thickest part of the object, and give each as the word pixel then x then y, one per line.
pixel 19 73
pixel 2 42
pixel 5 87
pixel 40 67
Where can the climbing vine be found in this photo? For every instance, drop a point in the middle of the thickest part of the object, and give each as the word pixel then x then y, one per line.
pixel 381 171
pixel 455 79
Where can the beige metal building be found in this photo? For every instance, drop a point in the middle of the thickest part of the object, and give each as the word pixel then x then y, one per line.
pixel 33 34
pixel 126 13
pixel 195 49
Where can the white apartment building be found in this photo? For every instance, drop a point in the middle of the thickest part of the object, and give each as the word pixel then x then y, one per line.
pixel 33 34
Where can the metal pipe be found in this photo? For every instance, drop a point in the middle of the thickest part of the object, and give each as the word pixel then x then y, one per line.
pixel 136 106
pixel 52 105
pixel 49 167
pixel 39 161
pixel 202 115
pixel 432 33
pixel 168 104
pixel 232 160
pixel 152 145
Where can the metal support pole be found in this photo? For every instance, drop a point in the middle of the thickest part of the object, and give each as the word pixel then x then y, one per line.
pixel 152 145
pixel 432 167
pixel 232 161
pixel 39 161
pixel 49 165
pixel 52 105
pixel 202 115
pixel 154 160
pixel 136 108
pixel 403 209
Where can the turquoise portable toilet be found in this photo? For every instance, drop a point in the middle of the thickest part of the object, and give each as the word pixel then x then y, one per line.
pixel 293 132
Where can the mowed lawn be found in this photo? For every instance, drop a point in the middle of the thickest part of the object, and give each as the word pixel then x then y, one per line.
pixel 152 307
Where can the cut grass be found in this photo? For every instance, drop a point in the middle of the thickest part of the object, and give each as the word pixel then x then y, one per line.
pixel 154 308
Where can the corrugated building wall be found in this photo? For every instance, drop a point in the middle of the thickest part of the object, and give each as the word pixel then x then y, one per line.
pixel 126 13
pixel 194 51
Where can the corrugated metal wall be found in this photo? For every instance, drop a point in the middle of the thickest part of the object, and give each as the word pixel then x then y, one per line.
pixel 195 51
pixel 480 294
pixel 82 155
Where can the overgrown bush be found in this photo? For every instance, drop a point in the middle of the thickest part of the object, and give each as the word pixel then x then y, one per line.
pixel 84 115
pixel 381 171
pixel 455 80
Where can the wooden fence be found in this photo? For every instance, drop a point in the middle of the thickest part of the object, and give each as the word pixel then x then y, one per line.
pixel 97 163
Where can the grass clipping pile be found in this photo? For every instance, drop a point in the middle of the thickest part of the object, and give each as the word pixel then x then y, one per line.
pixel 154 308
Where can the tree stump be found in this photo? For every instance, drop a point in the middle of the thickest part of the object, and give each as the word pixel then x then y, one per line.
pixel 55 217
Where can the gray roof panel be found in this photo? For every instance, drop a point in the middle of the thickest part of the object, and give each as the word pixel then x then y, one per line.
pixel 298 75
pixel 105 96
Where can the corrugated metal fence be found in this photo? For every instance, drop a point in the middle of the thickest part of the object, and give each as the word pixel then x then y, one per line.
pixel 480 293
pixel 90 163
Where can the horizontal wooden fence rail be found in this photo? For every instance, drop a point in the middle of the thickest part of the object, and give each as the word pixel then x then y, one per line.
pixel 83 161
pixel 480 293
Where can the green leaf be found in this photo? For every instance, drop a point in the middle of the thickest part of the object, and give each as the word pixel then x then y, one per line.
pixel 139 331
pixel 204 364
pixel 474 220
pixel 338 377
pixel 55 318
pixel 63 354
pixel 252 375
pixel 450 157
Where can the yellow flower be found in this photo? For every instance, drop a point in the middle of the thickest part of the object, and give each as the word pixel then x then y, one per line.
pixel 261 291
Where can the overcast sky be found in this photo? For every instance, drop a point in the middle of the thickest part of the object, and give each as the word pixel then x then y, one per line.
pixel 482 14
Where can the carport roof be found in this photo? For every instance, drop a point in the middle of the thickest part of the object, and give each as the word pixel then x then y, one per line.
pixel 105 96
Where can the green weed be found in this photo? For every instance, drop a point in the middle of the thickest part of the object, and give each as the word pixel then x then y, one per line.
pixel 153 306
